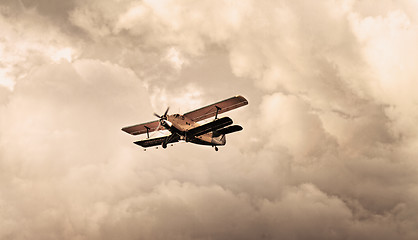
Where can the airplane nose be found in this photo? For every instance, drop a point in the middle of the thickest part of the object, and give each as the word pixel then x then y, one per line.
pixel 166 123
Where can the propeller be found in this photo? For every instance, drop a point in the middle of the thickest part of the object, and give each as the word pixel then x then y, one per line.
pixel 160 122
pixel 163 116
pixel 156 130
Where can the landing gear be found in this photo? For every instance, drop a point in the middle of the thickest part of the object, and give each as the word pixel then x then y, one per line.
pixel 216 148
pixel 164 145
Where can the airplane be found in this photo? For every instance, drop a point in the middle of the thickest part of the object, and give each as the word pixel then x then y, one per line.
pixel 185 127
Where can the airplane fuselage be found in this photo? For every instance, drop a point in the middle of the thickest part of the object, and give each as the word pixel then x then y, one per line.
pixel 180 125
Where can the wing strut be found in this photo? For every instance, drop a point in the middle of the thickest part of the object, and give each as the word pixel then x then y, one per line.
pixel 147 131
pixel 217 111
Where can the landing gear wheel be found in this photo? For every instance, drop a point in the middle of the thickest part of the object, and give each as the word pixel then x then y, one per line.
pixel 164 145
pixel 216 149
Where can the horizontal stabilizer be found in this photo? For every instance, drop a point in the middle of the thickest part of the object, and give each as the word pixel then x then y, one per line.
pixel 227 130
pixel 156 141
pixel 209 127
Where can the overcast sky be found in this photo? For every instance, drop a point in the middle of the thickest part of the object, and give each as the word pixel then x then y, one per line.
pixel 329 148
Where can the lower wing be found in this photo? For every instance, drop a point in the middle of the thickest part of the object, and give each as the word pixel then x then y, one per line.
pixel 157 141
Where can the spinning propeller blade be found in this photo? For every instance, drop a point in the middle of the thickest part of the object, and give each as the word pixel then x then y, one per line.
pixel 163 116
pixel 166 111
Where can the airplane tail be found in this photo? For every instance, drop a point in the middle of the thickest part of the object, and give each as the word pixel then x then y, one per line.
pixel 219 140
pixel 219 136
pixel 227 130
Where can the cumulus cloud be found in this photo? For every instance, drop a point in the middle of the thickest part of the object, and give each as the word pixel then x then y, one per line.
pixel 328 149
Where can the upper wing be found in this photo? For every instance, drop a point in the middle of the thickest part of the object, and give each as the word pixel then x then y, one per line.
pixel 142 128
pixel 210 111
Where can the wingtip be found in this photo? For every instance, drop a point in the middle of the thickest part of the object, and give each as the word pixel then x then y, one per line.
pixel 242 98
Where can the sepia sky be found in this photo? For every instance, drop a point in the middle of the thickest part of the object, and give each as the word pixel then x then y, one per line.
pixel 329 148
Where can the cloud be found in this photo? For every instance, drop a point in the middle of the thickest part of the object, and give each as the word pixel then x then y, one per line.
pixel 329 143
pixel 292 126
pixel 29 42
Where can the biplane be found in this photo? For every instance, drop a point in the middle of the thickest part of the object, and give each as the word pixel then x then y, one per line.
pixel 185 127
